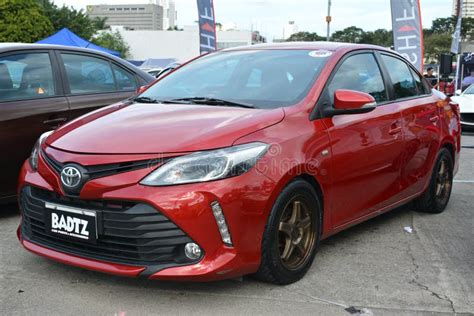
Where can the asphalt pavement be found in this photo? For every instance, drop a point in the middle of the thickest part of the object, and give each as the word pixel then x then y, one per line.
pixel 378 267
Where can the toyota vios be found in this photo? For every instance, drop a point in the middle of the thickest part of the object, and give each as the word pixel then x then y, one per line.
pixel 240 162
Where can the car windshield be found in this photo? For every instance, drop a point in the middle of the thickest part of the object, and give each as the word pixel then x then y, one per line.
pixel 469 90
pixel 260 78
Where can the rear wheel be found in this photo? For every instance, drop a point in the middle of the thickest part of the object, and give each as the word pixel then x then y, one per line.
pixel 292 235
pixel 436 197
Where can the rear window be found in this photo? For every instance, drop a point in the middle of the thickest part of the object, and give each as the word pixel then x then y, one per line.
pixel 26 76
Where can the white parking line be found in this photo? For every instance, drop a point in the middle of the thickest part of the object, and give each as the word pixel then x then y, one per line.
pixel 463 181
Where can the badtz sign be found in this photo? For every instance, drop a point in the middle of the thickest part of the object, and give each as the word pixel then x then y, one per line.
pixel 408 31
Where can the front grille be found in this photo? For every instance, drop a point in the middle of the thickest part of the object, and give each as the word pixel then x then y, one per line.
pixel 128 232
pixel 98 171
pixel 467 117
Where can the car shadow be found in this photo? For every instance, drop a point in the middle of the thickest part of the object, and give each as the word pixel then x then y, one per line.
pixel 9 210
pixel 229 286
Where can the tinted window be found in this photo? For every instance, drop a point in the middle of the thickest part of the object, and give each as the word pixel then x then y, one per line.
pixel 88 74
pixel 404 85
pixel 26 76
pixel 264 78
pixel 420 83
pixel 125 80
pixel 360 73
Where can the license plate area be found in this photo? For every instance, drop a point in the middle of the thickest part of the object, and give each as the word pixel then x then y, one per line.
pixel 71 223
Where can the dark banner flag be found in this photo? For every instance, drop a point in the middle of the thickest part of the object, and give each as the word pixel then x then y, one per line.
pixel 455 47
pixel 207 26
pixel 408 31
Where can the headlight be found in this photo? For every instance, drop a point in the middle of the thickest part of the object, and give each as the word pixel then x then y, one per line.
pixel 36 149
pixel 207 166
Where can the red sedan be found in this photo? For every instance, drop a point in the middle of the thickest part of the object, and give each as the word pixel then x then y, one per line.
pixel 240 162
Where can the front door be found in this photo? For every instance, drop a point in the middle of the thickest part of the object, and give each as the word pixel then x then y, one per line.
pixel 366 148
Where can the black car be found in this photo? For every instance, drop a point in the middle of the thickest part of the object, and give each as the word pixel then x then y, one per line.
pixel 44 86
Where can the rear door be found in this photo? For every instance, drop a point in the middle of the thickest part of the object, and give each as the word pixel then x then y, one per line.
pixel 366 148
pixel 31 103
pixel 420 116
pixel 92 81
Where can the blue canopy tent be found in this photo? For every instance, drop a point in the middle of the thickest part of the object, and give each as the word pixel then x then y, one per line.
pixel 67 38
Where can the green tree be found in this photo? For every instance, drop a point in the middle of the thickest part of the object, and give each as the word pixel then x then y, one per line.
pixel 114 41
pixel 75 20
pixel 447 25
pixel 379 37
pixel 437 44
pixel 350 34
pixel 23 21
pixel 305 37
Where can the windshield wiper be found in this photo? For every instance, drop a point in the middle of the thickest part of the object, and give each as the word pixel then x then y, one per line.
pixel 145 100
pixel 214 101
pixel 155 101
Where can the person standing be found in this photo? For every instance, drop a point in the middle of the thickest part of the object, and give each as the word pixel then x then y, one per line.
pixel 432 79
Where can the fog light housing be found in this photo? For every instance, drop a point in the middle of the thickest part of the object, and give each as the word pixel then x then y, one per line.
pixel 221 223
pixel 192 251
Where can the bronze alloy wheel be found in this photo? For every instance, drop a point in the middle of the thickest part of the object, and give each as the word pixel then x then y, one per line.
pixel 443 182
pixel 296 234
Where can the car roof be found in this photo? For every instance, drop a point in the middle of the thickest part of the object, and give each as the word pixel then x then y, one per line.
pixel 330 46
pixel 11 47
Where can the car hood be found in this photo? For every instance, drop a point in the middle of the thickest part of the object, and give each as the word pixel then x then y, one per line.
pixel 137 128
pixel 466 103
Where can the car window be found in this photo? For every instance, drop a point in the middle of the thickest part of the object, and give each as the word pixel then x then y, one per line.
pixel 360 73
pixel 404 85
pixel 422 87
pixel 469 90
pixel 88 74
pixel 26 76
pixel 125 80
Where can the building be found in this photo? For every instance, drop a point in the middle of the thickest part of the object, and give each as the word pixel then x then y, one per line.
pixel 289 29
pixel 181 45
pixel 468 8
pixel 160 15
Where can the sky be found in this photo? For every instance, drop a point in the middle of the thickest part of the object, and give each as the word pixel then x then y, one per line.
pixel 270 16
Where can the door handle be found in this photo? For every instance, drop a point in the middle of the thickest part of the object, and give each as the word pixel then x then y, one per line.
pixel 434 119
pixel 58 120
pixel 395 128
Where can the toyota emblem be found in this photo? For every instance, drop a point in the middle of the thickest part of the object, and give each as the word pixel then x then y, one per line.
pixel 71 177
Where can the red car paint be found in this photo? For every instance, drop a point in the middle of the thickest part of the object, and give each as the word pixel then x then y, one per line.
pixel 362 164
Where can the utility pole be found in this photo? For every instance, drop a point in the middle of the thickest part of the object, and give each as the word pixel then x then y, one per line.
pixel 328 20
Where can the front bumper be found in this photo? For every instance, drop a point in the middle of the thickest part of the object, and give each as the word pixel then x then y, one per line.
pixel 245 200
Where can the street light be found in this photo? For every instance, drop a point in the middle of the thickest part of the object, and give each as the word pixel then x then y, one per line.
pixel 328 20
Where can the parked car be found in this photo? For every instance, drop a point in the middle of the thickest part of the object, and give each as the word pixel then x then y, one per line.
pixel 154 72
pixel 240 162
pixel 43 86
pixel 466 105
pixel 160 72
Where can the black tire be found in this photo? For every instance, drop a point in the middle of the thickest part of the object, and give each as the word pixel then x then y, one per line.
pixel 272 267
pixel 433 200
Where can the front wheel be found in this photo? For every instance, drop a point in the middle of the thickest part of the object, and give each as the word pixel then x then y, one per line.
pixel 436 197
pixel 292 234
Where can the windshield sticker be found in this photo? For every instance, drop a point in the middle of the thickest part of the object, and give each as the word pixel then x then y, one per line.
pixel 320 53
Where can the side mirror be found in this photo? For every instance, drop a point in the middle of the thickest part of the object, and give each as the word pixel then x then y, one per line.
pixel 458 92
pixel 351 102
